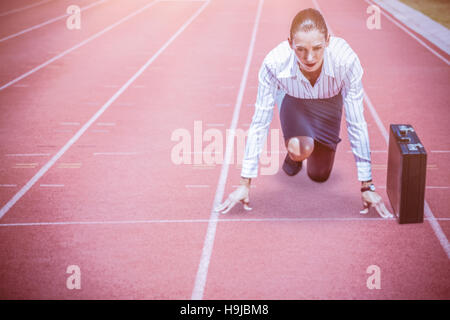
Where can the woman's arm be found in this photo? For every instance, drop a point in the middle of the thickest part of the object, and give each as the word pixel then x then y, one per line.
pixel 261 120
pixel 353 95
pixel 262 117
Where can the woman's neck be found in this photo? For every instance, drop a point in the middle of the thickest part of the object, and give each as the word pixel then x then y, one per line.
pixel 312 76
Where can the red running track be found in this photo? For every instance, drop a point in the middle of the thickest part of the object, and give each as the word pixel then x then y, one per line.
pixel 137 224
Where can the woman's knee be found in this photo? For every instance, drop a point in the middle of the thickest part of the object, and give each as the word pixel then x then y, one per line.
pixel 320 163
pixel 300 147
pixel 320 175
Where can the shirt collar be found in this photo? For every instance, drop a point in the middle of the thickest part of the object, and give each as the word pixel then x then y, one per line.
pixel 291 69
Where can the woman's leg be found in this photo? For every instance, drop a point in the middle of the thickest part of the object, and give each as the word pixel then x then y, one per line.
pixel 320 162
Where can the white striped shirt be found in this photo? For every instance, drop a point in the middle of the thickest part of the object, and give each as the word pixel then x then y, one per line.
pixel 280 74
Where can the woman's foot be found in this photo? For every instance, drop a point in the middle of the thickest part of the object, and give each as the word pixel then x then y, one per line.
pixel 291 167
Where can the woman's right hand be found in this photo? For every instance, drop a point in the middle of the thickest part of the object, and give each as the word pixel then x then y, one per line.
pixel 240 194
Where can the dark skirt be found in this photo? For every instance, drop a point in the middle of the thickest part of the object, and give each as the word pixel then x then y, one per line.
pixel 319 119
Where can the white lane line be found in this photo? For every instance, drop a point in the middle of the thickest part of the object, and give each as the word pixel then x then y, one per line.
pixel 27 154
pixel 86 145
pixel 385 151
pixel 65 223
pixel 69 123
pixel 428 213
pixel 24 8
pixel 125 104
pixel 82 43
pixel 80 132
pixel 411 34
pixel 202 272
pixel 426 187
pixel 114 153
pixel 8 185
pixel 25 165
pixel 183 0
pixel 215 124
pixel 62 130
pixel 238 185
pixel 197 186
pixel 49 21
pixel 69 223
pixel 106 124
pixel 436 187
pixel 45 146
pixel 373 151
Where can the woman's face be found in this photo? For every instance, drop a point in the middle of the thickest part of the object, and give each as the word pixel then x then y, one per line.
pixel 309 47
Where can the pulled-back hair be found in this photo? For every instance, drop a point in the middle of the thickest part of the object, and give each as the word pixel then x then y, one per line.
pixel 307 20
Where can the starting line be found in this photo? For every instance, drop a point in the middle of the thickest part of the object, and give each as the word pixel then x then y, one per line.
pixel 66 223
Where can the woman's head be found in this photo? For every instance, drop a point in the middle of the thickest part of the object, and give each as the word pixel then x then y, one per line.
pixel 308 38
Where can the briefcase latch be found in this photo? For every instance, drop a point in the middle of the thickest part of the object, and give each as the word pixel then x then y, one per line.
pixel 404 130
pixel 414 146
pixel 403 133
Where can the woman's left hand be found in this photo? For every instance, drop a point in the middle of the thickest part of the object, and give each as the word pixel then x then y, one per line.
pixel 373 199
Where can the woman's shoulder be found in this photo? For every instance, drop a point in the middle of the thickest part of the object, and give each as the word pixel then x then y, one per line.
pixel 344 60
pixel 340 51
pixel 279 56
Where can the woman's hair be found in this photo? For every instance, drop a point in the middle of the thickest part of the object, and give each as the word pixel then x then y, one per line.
pixel 307 20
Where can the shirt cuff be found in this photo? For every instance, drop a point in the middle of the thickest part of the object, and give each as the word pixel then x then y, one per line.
pixel 249 173
pixel 364 171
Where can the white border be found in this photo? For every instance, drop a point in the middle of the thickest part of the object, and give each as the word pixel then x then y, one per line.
pixel 420 23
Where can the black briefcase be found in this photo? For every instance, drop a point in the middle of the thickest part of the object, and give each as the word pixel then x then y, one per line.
pixel 406 173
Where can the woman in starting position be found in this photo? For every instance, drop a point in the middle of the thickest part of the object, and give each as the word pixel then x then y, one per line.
pixel 311 77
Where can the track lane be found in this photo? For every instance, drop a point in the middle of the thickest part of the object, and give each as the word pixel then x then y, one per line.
pixel 421 100
pixel 13 7
pixel 130 188
pixel 54 39
pixel 246 266
pixel 25 21
pixel 299 261
pixel 51 102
